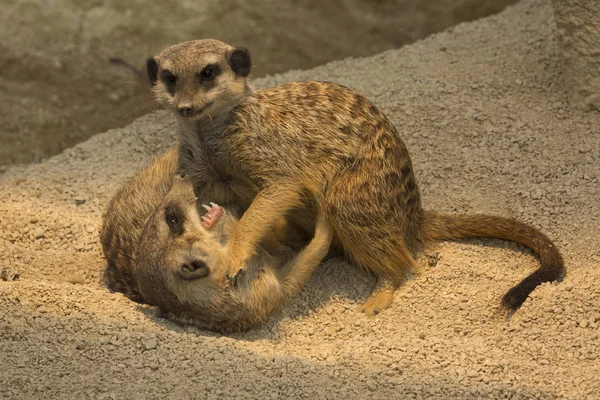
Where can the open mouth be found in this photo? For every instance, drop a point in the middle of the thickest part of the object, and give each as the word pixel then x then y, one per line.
pixel 213 213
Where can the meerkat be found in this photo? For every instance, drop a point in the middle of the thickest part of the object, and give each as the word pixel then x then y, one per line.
pixel 182 262
pixel 125 217
pixel 272 149
pixel 186 290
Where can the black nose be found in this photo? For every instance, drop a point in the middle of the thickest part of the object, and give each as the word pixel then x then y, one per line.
pixel 185 111
pixel 193 270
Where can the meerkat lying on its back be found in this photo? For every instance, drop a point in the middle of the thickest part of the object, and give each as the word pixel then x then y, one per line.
pixel 161 251
pixel 125 217
pixel 182 261
pixel 274 148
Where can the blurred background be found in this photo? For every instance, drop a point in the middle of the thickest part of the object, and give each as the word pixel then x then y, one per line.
pixel 57 86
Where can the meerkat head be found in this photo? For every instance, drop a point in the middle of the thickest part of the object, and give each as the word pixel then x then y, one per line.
pixel 181 267
pixel 180 253
pixel 200 79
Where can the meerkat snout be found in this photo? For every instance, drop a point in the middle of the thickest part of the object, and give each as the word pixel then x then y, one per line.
pixel 185 111
pixel 200 79
pixel 194 269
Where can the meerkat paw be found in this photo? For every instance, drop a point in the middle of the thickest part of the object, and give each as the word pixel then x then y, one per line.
pixel 213 213
pixel 374 306
pixel 381 299
pixel 236 279
pixel 237 270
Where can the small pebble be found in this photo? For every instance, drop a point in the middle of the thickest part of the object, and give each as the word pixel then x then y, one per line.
pixel 76 279
pixel 584 323
pixel 39 233
pixel 569 287
pixel 371 385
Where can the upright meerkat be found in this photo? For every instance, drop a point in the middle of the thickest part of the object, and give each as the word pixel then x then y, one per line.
pixel 313 147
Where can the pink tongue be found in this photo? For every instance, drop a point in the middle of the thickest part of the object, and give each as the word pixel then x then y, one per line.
pixel 212 216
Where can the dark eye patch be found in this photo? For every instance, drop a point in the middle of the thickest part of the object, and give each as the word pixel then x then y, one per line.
pixel 168 79
pixel 174 217
pixel 209 73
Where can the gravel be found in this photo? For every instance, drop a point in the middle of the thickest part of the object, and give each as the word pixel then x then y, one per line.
pixel 483 113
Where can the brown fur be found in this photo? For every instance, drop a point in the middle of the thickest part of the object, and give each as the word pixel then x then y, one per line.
pixel 313 147
pixel 210 300
pixel 144 257
pixel 125 217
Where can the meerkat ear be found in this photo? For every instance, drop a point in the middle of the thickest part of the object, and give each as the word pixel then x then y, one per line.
pixel 240 62
pixel 152 70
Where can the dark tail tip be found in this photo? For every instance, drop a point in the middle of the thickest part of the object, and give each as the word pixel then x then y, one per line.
pixel 515 297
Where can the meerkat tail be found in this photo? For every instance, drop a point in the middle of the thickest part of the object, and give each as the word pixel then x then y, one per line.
pixel 449 227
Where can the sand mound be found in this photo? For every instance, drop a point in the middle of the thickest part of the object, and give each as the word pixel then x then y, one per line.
pixel 481 110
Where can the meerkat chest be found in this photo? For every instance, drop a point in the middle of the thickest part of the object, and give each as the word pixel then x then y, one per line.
pixel 215 177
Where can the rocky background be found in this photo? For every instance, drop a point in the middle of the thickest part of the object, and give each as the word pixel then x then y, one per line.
pixel 57 87
pixel 484 115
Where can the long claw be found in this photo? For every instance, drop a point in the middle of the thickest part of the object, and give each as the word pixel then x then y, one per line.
pixel 214 205
pixel 207 208
pixel 237 277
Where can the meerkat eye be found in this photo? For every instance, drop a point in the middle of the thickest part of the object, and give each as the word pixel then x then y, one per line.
pixel 174 219
pixel 208 73
pixel 169 78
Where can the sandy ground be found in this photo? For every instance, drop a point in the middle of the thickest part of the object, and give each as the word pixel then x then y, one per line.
pixel 484 117
pixel 58 89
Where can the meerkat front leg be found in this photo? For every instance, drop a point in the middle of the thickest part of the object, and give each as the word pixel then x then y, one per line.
pixel 268 207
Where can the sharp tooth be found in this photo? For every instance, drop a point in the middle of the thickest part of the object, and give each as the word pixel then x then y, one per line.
pixel 214 205
pixel 207 208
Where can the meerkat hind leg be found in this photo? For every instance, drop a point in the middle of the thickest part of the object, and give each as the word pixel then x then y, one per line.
pixel 390 268
pixel 373 225
pixel 387 257
pixel 381 298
